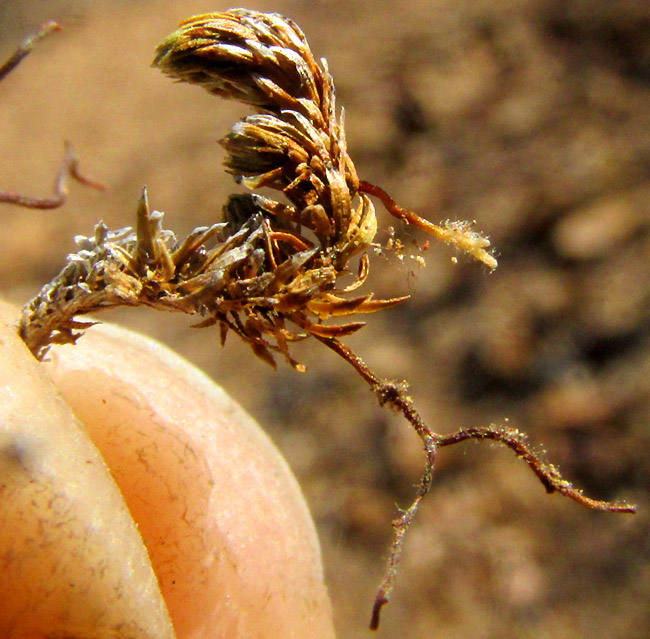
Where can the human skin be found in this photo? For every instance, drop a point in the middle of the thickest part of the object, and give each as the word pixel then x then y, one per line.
pixel 227 535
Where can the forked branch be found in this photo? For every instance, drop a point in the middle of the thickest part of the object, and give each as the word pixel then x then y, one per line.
pixel 70 165
pixel 69 170
pixel 394 395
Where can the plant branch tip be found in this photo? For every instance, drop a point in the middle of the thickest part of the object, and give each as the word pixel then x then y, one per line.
pixel 26 47
pixel 380 602
pixel 458 234
pixel 49 26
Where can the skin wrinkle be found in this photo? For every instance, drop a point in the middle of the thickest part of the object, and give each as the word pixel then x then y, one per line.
pixel 195 472
pixel 150 487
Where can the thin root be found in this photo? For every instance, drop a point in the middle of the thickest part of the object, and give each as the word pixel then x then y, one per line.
pixel 394 394
pixel 457 234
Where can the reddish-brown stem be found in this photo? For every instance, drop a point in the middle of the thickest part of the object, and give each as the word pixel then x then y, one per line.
pixel 391 393
pixel 459 235
pixel 395 396
pixel 26 47
pixel 395 209
pixel 69 169
pixel 70 165
pixel 546 473
pixel 401 213
pixel 289 238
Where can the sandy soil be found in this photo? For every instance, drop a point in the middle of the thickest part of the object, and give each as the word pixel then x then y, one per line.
pixel 530 116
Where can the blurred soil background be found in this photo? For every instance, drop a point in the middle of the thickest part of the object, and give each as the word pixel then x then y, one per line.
pixel 530 116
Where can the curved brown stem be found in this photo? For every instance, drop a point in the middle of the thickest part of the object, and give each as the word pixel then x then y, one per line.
pixel 69 170
pixel 547 473
pixel 394 395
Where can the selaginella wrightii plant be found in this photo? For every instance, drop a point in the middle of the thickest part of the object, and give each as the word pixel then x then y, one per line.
pixel 270 271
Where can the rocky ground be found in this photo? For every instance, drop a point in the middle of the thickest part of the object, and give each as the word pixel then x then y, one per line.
pixel 531 117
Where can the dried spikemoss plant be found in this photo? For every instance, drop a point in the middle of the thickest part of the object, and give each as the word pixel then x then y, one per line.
pixel 270 271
